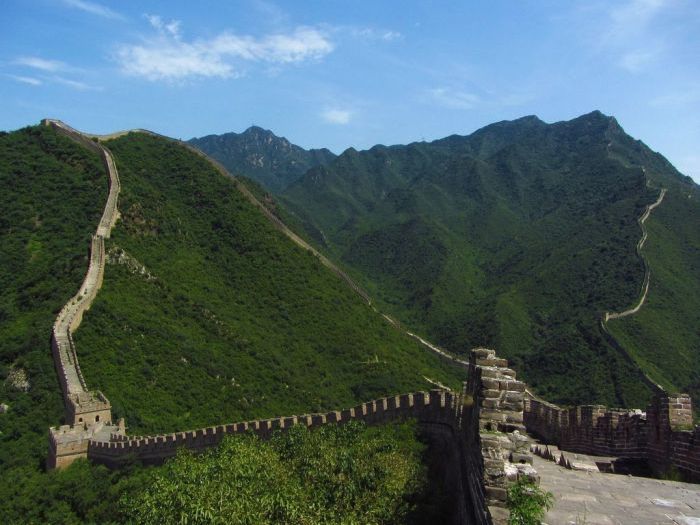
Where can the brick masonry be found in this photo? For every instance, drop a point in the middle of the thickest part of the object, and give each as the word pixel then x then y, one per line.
pixel 663 436
pixel 481 427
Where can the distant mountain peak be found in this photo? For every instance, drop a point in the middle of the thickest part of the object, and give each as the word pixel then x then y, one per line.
pixel 263 156
pixel 529 119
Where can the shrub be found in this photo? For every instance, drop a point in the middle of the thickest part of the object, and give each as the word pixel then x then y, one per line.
pixel 528 503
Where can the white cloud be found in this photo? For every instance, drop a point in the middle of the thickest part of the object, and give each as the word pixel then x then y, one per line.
pixel 391 35
pixel 41 64
pixel 94 9
pixel 370 33
pixel 75 84
pixel 49 73
pixel 26 80
pixel 336 116
pixel 171 28
pixel 454 99
pixel 627 34
pixel 635 61
pixel 168 56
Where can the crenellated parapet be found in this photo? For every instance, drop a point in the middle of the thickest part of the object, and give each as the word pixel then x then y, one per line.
pixel 480 430
pixel 663 437
pixel 438 407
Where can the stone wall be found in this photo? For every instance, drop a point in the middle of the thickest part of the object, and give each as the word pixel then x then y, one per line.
pixel 481 429
pixel 495 442
pixel 663 436
pixel 437 407
pixel 88 412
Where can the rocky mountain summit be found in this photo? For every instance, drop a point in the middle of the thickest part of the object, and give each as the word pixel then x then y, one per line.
pixel 261 155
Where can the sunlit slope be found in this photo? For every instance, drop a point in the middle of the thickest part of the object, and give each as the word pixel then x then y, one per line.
pixel 664 336
pixel 52 193
pixel 208 314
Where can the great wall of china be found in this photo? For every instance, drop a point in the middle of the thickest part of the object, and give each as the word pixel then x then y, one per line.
pixel 482 429
pixel 644 291
pixel 647 272
pixel 88 412
pixel 663 437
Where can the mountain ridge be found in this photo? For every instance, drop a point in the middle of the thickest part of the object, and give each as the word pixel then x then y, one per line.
pixel 390 200
pixel 260 154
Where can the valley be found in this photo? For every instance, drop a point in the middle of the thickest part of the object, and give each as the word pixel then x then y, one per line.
pixel 520 236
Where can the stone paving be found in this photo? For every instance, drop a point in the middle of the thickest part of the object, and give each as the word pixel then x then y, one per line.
pixel 595 498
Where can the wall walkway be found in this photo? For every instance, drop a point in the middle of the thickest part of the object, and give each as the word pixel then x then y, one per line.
pixel 663 437
pixel 84 406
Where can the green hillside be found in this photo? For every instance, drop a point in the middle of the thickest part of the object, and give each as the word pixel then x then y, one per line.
pixel 517 237
pixel 51 197
pixel 226 319
pixel 664 336
pixel 52 192
pixel 209 314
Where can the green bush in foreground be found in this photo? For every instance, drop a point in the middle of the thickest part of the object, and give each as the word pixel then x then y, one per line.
pixel 334 474
pixel 528 503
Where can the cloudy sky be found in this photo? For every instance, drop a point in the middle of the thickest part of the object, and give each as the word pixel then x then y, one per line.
pixel 354 73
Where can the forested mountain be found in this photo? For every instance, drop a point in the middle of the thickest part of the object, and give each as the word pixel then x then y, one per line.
pixel 520 237
pixel 263 156
pixel 208 314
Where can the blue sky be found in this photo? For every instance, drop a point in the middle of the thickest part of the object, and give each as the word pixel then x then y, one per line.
pixel 340 74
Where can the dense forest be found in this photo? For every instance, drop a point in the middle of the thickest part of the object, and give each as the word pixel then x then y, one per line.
pixel 207 315
pixel 519 237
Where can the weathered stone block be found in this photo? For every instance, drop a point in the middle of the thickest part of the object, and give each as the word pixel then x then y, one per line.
pixel 496 493
pixel 490 384
pixel 483 353
pixel 491 394
pixel 513 397
pixel 492 415
pixel 490 403
pixel 521 457
pixel 494 361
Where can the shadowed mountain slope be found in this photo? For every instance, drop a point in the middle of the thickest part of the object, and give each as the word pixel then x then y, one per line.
pixel 263 156
pixel 518 237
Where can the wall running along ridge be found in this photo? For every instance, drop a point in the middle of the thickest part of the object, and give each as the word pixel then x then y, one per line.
pixel 653 386
pixel 647 272
pixel 88 412
pixel 479 428
pixel 285 230
pixel 663 437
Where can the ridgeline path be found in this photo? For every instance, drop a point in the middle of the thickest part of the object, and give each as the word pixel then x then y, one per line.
pixel 71 315
pixel 647 271
pixel 607 335
pixel 93 280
